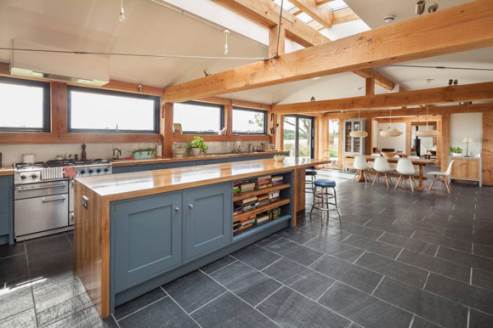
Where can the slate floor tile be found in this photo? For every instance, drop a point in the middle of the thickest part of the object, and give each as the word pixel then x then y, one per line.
pixel 163 313
pixel 139 302
pixel 364 309
pixel 214 266
pixel 480 320
pixel 475 297
pixel 350 255
pixel 482 278
pixel 414 245
pixel 12 250
pixel 353 275
pixel 55 290
pixel 59 311
pixel 298 235
pixel 437 309
pixel 48 245
pixel 435 264
pixel 228 311
pixel 373 246
pixel 422 323
pixel 483 250
pixel 25 319
pixel 311 284
pixel 83 319
pixel 255 256
pixel 290 309
pixel 13 270
pixel 356 229
pixel 193 290
pixel 442 241
pixel 397 270
pixel 295 252
pixel 252 287
pixel 286 271
pixel 328 245
pixel 52 264
pixel 15 301
pixel 463 258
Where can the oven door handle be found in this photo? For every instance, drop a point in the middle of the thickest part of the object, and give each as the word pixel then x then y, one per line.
pixel 40 188
pixel 51 200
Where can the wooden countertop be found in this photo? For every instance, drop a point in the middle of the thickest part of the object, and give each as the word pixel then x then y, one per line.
pixel 131 185
pixel 6 171
pixel 132 162
pixel 420 161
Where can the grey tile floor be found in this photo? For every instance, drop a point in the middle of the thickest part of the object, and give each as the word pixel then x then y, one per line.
pixel 398 259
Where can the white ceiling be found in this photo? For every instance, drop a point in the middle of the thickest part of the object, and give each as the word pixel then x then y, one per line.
pixel 92 25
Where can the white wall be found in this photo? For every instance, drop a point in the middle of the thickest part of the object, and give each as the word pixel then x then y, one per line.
pixel 467 125
pixel 397 143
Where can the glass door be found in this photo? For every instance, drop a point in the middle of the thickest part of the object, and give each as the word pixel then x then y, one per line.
pixel 298 136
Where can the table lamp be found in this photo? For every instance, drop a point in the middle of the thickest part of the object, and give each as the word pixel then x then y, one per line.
pixel 467 141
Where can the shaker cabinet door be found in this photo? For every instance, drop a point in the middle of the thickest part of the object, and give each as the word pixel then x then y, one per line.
pixel 146 236
pixel 207 220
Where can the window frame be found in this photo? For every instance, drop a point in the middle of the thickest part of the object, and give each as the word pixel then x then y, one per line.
pixel 266 121
pixel 156 110
pixel 205 104
pixel 46 106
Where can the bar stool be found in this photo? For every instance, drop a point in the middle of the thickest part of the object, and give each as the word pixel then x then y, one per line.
pixel 311 176
pixel 324 196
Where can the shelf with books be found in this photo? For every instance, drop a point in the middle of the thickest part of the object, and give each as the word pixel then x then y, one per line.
pixel 259 201
pixel 258 228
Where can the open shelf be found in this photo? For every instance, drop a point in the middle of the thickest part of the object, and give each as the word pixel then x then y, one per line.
pixel 260 209
pixel 261 227
pixel 249 194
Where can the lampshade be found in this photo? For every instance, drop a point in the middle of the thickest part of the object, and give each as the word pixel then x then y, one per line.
pixel 427 133
pixel 467 140
pixel 390 132
pixel 359 134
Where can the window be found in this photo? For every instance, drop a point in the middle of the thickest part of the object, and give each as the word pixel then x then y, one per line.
pixel 298 135
pixel 249 121
pixel 108 111
pixel 197 117
pixel 24 105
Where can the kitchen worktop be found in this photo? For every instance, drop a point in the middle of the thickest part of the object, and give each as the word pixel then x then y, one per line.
pixel 131 162
pixel 6 171
pixel 129 185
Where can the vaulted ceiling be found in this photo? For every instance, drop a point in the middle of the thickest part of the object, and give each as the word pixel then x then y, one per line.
pixel 164 27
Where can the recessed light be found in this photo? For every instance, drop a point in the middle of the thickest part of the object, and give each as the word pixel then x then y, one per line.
pixel 389 18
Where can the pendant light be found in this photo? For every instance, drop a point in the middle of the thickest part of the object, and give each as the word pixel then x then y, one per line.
pixel 359 133
pixel 390 132
pixel 426 132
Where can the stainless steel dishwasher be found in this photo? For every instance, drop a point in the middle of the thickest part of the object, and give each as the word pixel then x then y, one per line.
pixel 40 208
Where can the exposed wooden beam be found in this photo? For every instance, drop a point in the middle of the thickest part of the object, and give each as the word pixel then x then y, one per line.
pixel 420 37
pixel 369 86
pixel 266 12
pixel 380 79
pixel 478 91
pixel 323 15
pixel 277 41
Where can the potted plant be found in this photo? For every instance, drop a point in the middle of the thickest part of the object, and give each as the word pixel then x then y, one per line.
pixel 198 146
pixel 455 151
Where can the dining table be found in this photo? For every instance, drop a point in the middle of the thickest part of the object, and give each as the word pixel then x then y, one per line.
pixel 419 162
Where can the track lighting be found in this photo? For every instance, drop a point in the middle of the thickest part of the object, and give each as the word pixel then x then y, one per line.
pixel 312 98
pixel 206 74
pixel 420 7
pixel 226 47
pixel 432 8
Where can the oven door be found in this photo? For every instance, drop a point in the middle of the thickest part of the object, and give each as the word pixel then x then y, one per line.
pixel 39 214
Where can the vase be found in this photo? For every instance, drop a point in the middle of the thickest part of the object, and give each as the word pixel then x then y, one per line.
pixel 196 151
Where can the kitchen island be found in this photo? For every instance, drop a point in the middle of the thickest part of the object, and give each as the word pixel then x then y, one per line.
pixel 137 231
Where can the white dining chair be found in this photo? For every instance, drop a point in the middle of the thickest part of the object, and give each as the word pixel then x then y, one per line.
pixel 444 177
pixel 382 168
pixel 361 166
pixel 405 169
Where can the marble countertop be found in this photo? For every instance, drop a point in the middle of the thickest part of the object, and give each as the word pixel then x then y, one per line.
pixel 136 184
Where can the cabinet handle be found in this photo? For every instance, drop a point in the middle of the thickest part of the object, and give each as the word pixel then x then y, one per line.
pixel 177 209
pixel 190 206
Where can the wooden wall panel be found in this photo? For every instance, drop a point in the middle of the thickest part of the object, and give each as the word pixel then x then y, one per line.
pixel 487 152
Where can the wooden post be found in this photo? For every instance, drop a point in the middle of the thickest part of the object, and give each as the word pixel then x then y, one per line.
pixel 340 150
pixel 445 141
pixel 168 130
pixel 487 150
pixel 275 48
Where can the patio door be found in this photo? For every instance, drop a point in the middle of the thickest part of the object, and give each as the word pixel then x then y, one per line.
pixel 298 135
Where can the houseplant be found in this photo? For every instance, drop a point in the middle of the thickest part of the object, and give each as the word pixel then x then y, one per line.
pixel 455 151
pixel 198 146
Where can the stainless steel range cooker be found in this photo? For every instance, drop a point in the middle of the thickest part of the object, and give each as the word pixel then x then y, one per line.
pixel 44 195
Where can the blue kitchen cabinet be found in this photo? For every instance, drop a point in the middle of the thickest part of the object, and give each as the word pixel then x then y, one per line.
pixel 207 220
pixel 146 236
pixel 6 209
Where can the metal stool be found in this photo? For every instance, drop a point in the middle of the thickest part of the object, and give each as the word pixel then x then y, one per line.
pixel 325 196
pixel 311 176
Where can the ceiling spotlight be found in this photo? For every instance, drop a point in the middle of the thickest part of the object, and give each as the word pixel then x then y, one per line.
pixel 206 74
pixel 389 19
pixel 122 16
pixel 450 82
pixel 312 98
pixel 226 46
pixel 420 7
pixel 433 7
pixel 456 82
